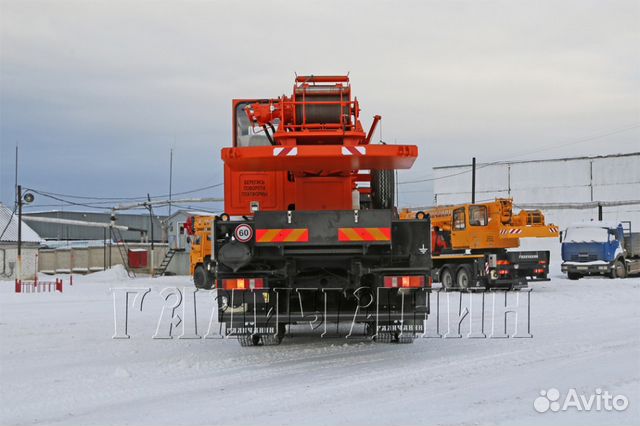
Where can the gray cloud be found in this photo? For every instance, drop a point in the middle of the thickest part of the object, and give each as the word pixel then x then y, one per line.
pixel 95 93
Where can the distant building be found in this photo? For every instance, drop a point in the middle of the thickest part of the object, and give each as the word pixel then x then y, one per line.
pixel 64 232
pixel 566 189
pixel 9 247
pixel 177 235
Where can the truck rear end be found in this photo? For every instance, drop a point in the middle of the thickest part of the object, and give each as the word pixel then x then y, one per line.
pixel 505 270
pixel 310 231
pixel 325 268
pixel 514 269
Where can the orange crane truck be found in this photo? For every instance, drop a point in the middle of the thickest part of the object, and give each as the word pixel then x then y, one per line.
pixel 310 232
pixel 470 245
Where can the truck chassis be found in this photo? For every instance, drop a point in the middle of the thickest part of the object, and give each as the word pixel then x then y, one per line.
pixel 327 267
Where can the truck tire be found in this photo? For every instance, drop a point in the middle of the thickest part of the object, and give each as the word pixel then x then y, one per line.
pixel 273 340
pixel 446 278
pixel 406 339
pixel 618 270
pixel 249 340
pixel 382 189
pixel 574 275
pixel 394 337
pixel 201 278
pixel 463 277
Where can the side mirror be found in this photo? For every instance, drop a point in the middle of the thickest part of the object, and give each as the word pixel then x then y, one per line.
pixel 560 236
pixel 188 240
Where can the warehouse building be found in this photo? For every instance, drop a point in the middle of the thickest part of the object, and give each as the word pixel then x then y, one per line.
pixel 566 189
pixel 65 232
pixel 9 247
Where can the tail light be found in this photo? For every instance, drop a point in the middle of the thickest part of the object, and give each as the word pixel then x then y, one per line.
pixel 542 262
pixel 243 284
pixel 538 271
pixel 503 272
pixel 407 281
pixel 503 262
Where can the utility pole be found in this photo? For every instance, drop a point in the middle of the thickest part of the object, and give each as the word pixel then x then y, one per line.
pixel 473 181
pixel 111 223
pixel 19 200
pixel 16 180
pixel 170 176
pixel 150 207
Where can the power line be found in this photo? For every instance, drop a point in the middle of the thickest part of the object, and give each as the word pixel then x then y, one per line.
pixel 116 199
pixel 447 176
pixel 581 140
pixel 543 149
pixel 73 203
pixel 198 209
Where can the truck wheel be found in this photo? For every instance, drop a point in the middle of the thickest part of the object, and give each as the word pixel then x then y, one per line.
pixel 272 340
pixel 382 189
pixel 574 275
pixel 463 277
pixel 618 270
pixel 202 278
pixel 199 277
pixel 249 340
pixel 446 278
pixel 393 337
pixel 406 338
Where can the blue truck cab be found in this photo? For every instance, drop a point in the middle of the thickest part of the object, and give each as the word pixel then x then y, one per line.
pixel 600 248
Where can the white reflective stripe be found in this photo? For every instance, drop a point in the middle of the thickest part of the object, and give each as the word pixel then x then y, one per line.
pixel 294 151
pixel 347 150
pixel 277 151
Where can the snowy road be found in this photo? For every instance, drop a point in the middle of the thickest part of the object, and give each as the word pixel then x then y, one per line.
pixel 59 365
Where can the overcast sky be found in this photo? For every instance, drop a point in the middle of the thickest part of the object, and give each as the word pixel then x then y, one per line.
pixel 96 93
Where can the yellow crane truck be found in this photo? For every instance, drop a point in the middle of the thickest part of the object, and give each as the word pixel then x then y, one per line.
pixel 470 245
pixel 199 229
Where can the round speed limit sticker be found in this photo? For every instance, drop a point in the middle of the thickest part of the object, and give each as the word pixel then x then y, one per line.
pixel 243 233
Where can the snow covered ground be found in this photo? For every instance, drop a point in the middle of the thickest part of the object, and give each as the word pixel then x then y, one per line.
pixel 59 365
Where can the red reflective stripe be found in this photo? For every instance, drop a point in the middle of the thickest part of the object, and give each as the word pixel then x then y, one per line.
pixel 364 234
pixel 282 235
pixel 260 234
pixel 291 235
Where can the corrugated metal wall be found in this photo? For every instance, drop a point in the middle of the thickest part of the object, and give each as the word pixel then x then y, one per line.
pixel 569 180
